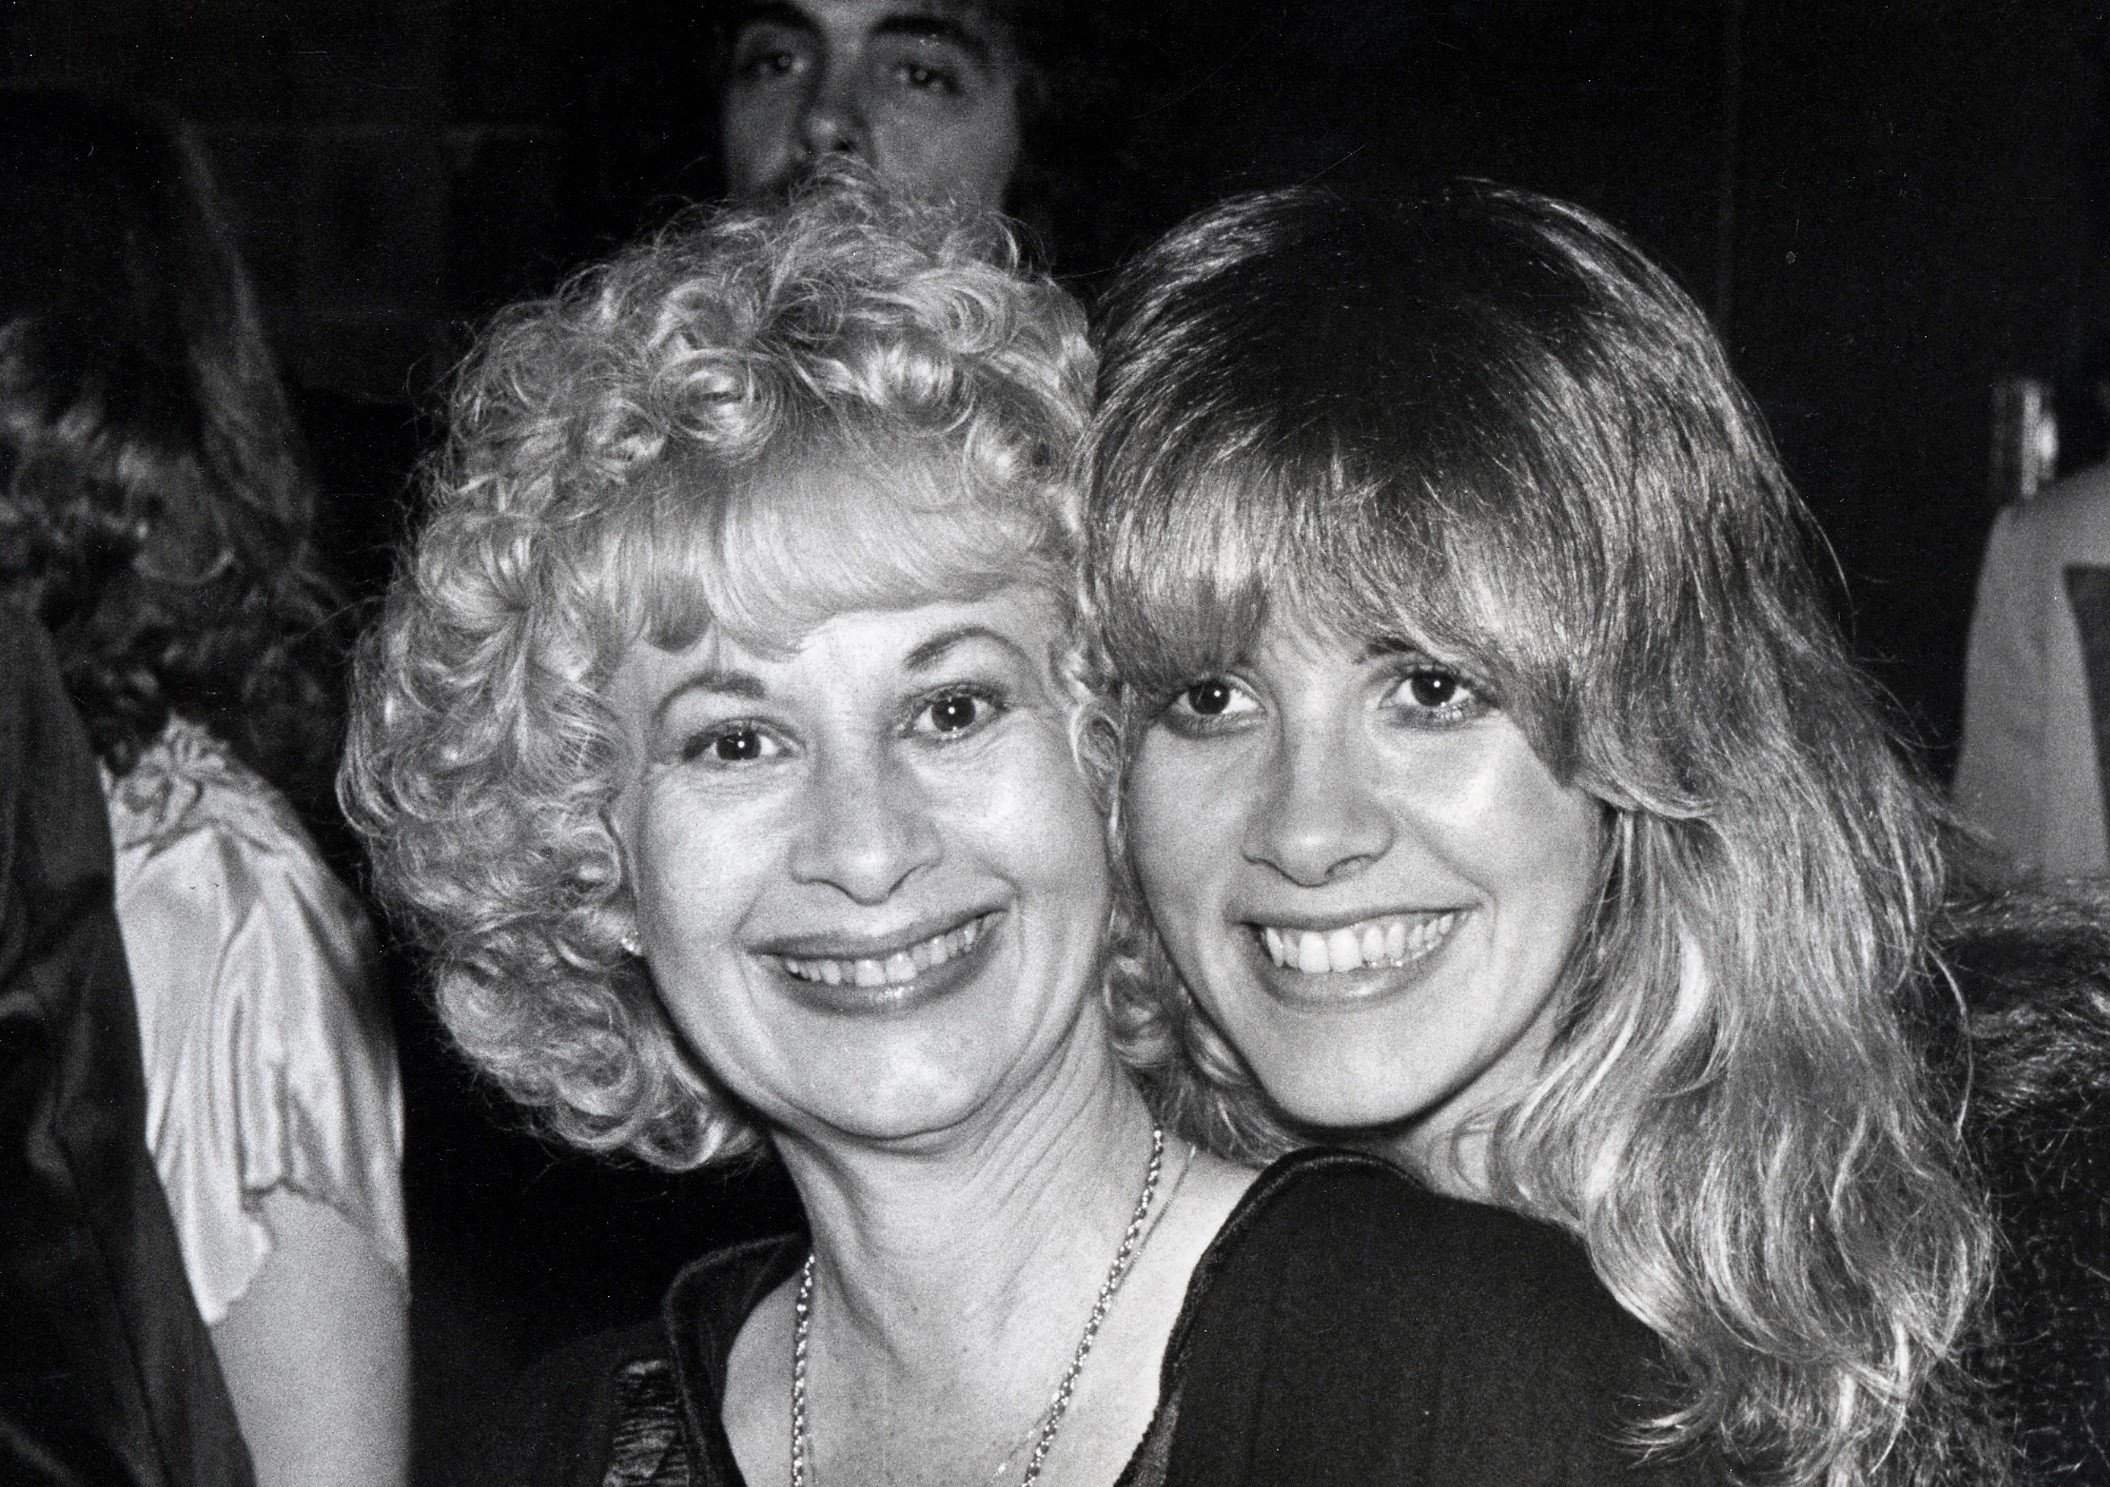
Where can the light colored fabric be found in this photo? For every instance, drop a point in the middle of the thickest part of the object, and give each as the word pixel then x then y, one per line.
pixel 2028 776
pixel 269 1062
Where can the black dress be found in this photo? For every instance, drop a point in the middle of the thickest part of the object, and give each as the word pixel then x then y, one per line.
pixel 1345 1328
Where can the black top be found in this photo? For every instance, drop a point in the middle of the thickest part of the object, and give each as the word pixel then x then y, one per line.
pixel 1346 1326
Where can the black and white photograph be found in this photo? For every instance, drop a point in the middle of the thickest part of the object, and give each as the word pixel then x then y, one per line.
pixel 1055 743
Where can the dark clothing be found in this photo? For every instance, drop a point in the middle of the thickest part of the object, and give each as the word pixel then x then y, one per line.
pixel 1345 1328
pixel 107 1376
pixel 2035 968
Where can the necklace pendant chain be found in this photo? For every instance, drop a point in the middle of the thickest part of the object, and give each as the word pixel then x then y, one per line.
pixel 1065 1390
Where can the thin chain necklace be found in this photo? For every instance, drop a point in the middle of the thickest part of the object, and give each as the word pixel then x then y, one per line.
pixel 1124 1257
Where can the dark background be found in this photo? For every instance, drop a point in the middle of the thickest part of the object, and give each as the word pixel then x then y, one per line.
pixel 1888 207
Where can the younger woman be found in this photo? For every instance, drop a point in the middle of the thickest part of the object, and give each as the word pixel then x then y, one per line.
pixel 1506 800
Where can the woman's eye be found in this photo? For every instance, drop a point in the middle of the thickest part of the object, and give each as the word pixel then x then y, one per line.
pixel 951 714
pixel 1437 694
pixel 1213 702
pixel 734 745
pixel 1433 688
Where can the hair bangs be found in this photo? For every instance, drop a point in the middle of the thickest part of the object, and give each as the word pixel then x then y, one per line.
pixel 767 554
pixel 1371 545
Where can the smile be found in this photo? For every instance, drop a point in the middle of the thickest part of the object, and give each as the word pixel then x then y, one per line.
pixel 896 968
pixel 1387 941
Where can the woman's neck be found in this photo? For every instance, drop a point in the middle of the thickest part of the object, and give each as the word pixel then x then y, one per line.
pixel 951 1236
pixel 952 1285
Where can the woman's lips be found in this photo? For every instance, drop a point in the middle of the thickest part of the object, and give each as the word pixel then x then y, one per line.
pixel 894 968
pixel 1351 964
pixel 1386 940
pixel 896 979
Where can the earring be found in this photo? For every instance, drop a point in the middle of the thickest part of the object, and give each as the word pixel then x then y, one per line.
pixel 630 945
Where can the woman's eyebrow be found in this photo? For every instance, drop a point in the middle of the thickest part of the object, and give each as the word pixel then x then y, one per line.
pixel 715 679
pixel 930 652
pixel 1380 647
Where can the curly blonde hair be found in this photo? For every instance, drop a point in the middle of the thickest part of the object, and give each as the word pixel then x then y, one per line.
pixel 606 482
pixel 1483 419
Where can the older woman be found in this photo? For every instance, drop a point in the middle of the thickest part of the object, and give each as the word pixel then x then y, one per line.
pixel 719 739
pixel 1507 802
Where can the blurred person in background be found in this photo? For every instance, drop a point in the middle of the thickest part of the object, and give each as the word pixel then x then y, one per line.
pixel 156 517
pixel 1030 108
pixel 106 1372
pixel 2036 723
pixel 930 95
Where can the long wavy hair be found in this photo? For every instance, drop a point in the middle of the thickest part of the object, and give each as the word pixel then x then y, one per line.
pixel 155 509
pixel 608 481
pixel 1483 419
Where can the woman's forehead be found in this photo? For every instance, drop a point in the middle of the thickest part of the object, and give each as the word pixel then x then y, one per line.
pixel 819 530
pixel 1021 630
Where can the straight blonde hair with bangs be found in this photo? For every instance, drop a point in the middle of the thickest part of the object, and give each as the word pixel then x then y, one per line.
pixel 1483 420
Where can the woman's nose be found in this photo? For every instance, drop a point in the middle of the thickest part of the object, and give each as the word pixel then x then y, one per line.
pixel 1314 820
pixel 868 829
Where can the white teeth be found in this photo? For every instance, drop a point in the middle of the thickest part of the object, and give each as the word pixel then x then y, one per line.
pixel 897 969
pixel 1392 940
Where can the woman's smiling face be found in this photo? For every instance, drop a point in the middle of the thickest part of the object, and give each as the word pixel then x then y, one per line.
pixel 870 880
pixel 1366 874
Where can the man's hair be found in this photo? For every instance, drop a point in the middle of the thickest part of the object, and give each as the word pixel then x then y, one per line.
pixel 1080 190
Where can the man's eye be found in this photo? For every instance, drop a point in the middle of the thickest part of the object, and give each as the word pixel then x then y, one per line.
pixel 765 59
pixel 925 78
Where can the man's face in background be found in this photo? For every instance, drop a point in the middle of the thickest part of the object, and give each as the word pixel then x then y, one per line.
pixel 926 91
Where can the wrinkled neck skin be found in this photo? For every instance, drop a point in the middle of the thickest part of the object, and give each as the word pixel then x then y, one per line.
pixel 939 1250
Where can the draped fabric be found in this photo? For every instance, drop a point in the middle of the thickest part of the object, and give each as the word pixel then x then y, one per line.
pixel 269 1060
pixel 107 1376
